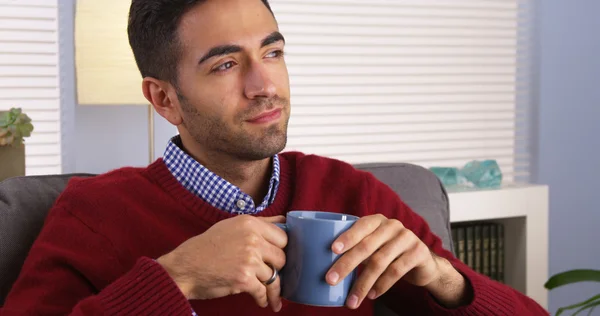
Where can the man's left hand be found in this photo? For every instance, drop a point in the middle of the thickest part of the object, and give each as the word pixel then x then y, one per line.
pixel 391 252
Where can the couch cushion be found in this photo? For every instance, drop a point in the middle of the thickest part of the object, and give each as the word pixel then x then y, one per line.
pixel 24 203
pixel 421 190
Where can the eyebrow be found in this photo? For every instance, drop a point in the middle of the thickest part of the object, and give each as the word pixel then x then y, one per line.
pixel 220 51
pixel 272 38
pixel 230 49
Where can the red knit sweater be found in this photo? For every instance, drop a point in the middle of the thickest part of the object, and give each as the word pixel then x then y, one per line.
pixel 93 256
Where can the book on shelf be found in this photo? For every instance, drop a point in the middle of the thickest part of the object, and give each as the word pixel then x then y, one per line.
pixel 455 242
pixel 460 232
pixel 494 252
pixel 485 232
pixel 470 243
pixel 481 247
pixel 477 254
pixel 500 253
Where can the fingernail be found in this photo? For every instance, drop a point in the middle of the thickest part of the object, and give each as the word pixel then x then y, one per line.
pixel 353 301
pixel 279 306
pixel 372 294
pixel 333 277
pixel 338 246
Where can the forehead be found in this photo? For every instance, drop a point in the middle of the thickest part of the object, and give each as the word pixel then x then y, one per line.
pixel 219 22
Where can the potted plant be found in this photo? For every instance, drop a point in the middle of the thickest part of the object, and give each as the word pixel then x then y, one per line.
pixel 575 276
pixel 15 126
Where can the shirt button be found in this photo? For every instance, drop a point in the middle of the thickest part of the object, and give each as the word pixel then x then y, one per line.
pixel 241 203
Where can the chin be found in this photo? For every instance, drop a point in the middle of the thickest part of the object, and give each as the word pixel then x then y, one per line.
pixel 259 145
pixel 264 147
pixel 272 146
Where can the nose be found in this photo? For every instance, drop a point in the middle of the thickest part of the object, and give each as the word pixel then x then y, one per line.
pixel 258 83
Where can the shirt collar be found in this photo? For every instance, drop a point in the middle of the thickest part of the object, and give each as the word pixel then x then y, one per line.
pixel 210 187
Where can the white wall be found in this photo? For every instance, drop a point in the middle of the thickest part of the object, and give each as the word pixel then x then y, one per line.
pixel 113 137
pixel 569 138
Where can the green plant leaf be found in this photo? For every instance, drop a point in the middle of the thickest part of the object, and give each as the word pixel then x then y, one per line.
pixel 572 276
pixel 590 305
pixel 593 299
pixel 14 127
pixel 12 115
pixel 25 130
pixel 16 111
pixel 4 116
pixel 24 118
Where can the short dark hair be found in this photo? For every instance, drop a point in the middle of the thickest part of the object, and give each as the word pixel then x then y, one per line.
pixel 152 31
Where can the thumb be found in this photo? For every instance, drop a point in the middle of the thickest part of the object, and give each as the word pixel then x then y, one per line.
pixel 273 219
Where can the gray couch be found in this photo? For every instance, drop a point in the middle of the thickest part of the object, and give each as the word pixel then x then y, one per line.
pixel 25 201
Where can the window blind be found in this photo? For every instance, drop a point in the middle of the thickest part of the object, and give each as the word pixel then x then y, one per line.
pixel 29 76
pixel 435 83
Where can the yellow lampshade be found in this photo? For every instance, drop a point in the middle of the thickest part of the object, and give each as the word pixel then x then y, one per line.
pixel 105 66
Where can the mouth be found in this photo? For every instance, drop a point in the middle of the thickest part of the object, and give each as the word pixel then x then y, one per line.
pixel 266 117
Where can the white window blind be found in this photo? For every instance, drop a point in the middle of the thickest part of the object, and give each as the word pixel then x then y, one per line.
pixel 435 83
pixel 29 76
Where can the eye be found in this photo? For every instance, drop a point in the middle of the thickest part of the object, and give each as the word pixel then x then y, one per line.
pixel 224 66
pixel 275 54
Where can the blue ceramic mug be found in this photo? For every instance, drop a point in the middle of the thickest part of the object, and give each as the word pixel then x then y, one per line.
pixel 309 257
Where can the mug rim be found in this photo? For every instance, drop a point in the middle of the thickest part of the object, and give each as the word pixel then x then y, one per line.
pixel 351 218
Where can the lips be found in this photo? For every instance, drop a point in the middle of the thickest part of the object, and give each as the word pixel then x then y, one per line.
pixel 266 117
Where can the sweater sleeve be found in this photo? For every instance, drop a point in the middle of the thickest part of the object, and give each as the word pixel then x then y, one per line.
pixel 72 270
pixel 490 297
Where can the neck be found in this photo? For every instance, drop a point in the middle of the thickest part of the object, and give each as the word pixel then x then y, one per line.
pixel 252 177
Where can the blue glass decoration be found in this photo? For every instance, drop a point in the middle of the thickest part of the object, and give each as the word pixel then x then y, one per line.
pixel 449 176
pixel 483 174
pixel 479 174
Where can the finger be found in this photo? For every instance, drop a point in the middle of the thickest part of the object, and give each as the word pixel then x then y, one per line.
pixel 361 252
pixel 274 295
pixel 272 254
pixel 259 292
pixel 375 266
pixel 272 234
pixel 273 219
pixel 359 230
pixel 264 273
pixel 395 271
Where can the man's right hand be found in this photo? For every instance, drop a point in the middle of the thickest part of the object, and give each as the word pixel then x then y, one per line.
pixel 231 257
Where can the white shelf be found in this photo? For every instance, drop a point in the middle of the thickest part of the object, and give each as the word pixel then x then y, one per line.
pixel 523 210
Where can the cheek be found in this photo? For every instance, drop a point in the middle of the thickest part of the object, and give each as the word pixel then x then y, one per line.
pixel 282 81
pixel 230 103
pixel 214 98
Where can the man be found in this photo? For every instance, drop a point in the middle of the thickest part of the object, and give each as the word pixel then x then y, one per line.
pixel 193 233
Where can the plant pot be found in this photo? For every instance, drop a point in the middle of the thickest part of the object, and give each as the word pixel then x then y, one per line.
pixel 12 161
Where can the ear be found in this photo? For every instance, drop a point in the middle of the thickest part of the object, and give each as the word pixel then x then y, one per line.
pixel 163 97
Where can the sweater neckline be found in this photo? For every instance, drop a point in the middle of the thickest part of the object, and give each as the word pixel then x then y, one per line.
pixel 160 173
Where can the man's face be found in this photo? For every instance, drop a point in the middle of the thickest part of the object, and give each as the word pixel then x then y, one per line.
pixel 233 82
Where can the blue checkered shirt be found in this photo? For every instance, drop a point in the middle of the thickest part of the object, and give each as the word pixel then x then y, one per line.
pixel 213 189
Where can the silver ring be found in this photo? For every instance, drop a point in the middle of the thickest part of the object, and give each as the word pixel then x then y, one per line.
pixel 273 277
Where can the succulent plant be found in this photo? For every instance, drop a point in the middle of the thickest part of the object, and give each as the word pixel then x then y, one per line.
pixel 15 126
